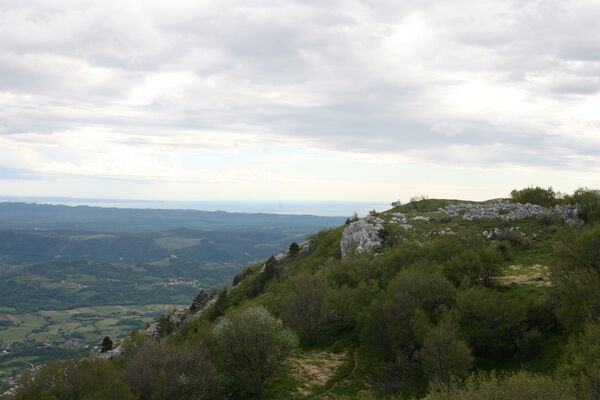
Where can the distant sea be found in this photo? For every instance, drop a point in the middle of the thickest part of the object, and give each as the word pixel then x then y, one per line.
pixel 321 208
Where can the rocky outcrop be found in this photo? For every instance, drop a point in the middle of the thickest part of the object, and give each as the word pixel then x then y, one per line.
pixel 360 236
pixel 110 354
pixel 152 331
pixel 505 210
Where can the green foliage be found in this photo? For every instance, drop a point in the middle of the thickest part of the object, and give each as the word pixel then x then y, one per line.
pixel 422 204
pixel 498 386
pixel 156 371
pixel 419 305
pixel 389 319
pixel 74 379
pixel 589 203
pixel 200 301
pixel 535 195
pixel 492 323
pixel 444 355
pixel 294 248
pixel 577 269
pixel 107 345
pixel 475 266
pixel 579 299
pixel 581 360
pixel 304 305
pixel 250 347
pixel 393 378
pixel 220 304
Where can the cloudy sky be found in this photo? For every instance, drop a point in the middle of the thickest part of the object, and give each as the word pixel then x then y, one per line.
pixel 306 100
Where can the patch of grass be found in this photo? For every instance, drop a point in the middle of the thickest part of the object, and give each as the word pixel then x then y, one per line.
pixel 176 243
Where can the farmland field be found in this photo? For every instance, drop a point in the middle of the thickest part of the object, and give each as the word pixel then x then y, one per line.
pixel 37 337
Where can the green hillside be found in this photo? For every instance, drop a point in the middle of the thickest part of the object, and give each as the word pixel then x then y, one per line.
pixel 437 299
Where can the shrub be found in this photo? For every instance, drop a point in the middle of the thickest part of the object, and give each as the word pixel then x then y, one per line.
pixel 157 371
pixel 518 386
pixel 389 319
pixel 84 378
pixel 535 195
pixel 493 323
pixel 107 345
pixel 294 248
pixel 304 305
pixel 530 343
pixel 477 266
pixel 251 347
pixel 589 203
pixel 445 357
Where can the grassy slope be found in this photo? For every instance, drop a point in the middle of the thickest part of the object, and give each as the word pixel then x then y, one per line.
pixel 327 253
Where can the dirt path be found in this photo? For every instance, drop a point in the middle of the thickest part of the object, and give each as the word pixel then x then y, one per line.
pixel 345 377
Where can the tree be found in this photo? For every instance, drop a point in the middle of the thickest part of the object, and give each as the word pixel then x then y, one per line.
pixel 200 300
pixel 577 270
pixel 294 248
pixel 84 378
pixel 251 347
pixel 589 204
pixel 394 377
pixel 535 195
pixel 493 323
pixel 476 265
pixel 156 371
pixel 304 305
pixel 390 320
pixel 444 355
pixel 581 360
pixel 107 345
pixel 220 304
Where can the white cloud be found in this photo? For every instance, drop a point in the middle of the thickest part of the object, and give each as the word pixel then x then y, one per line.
pixel 116 88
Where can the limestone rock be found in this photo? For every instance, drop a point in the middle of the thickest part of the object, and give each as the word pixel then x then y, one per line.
pixel 360 236
pixel 110 354
pixel 152 330
pixel 505 210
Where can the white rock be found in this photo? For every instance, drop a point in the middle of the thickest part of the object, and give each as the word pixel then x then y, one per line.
pixel 110 354
pixel 361 236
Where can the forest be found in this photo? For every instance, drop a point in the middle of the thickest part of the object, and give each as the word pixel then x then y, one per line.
pixel 445 307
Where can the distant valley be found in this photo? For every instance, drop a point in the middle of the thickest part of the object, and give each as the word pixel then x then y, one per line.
pixel 70 275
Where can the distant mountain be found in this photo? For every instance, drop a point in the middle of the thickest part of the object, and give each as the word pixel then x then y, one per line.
pixel 99 219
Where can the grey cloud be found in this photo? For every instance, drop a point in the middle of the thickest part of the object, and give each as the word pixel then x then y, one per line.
pixel 346 90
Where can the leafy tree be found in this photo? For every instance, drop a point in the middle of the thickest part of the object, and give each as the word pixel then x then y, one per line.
pixel 392 378
pixel 220 304
pixel 516 386
pixel 579 299
pixel 392 318
pixel 475 265
pixel 160 372
pixel 84 378
pixel 251 347
pixel 107 345
pixel 294 248
pixel 492 323
pixel 200 301
pixel 581 361
pixel 577 270
pixel 340 306
pixel 589 204
pixel 304 305
pixel 535 195
pixel 444 355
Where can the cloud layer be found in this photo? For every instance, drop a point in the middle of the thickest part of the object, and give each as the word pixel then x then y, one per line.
pixel 130 89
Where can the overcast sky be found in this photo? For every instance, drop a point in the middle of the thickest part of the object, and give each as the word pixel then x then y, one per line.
pixel 307 100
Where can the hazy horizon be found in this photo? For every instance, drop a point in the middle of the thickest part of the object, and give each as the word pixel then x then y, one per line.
pixel 317 208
